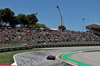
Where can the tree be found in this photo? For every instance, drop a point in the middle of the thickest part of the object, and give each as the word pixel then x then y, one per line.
pixel 22 19
pixel 1 14
pixel 27 20
pixel 14 22
pixel 6 15
pixel 64 28
pixel 32 19
pixel 37 25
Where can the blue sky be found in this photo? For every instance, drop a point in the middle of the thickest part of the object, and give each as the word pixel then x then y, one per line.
pixel 72 11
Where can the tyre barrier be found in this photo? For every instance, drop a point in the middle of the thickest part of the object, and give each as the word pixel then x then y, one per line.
pixel 29 47
pixel 5 49
pixel 39 46
pixel 59 45
pixel 53 45
pixel 45 46
pixel 17 48
pixel 23 48
pixel 64 45
pixel 0 50
pixel 97 45
pixel 11 49
pixel 14 49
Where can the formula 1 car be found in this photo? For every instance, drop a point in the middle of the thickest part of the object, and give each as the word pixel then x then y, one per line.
pixel 50 57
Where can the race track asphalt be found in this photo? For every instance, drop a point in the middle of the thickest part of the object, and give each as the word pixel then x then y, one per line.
pixel 39 58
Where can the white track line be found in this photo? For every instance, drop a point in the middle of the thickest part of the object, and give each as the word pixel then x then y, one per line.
pixel 14 64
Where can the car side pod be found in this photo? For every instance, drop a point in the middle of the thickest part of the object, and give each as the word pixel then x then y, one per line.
pixel 50 57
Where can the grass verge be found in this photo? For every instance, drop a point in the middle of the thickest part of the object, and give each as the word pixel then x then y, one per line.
pixel 6 58
pixel 93 51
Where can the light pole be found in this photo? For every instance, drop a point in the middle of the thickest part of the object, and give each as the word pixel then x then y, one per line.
pixel 83 24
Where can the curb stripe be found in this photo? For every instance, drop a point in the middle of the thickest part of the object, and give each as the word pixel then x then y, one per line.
pixel 64 57
pixel 64 60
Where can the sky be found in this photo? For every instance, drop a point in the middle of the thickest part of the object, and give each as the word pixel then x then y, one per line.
pixel 73 11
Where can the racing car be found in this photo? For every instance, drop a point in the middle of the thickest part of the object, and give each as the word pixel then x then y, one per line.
pixel 50 57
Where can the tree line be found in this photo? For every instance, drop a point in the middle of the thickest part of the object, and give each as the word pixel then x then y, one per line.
pixel 8 16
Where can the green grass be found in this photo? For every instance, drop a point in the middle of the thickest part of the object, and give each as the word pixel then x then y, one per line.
pixel 93 51
pixel 6 58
